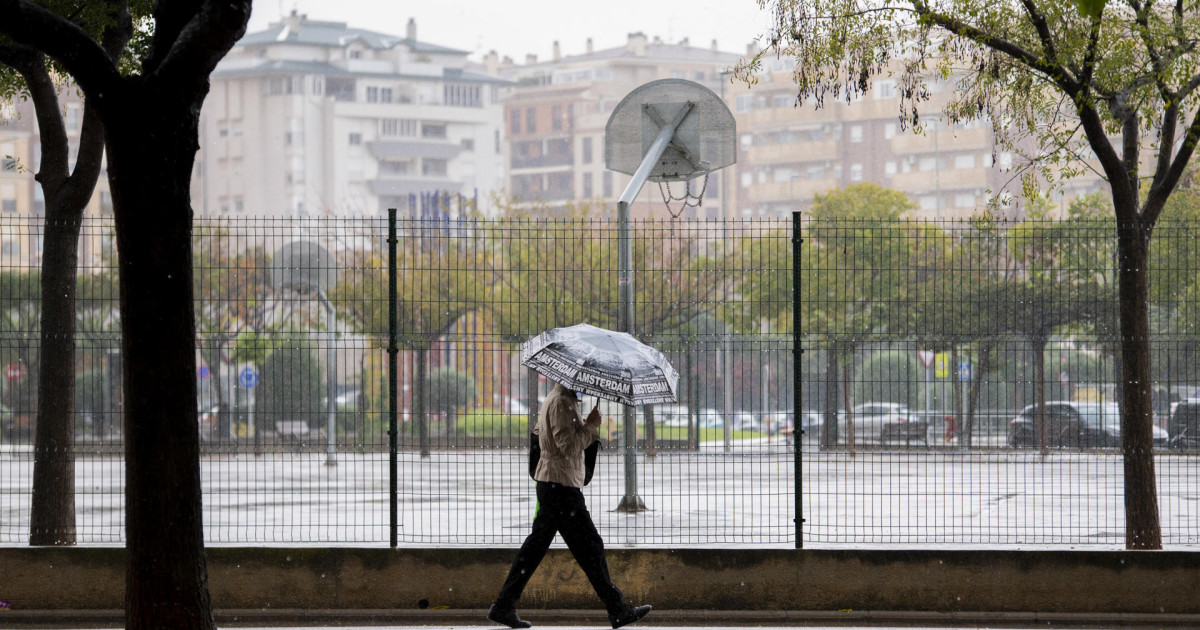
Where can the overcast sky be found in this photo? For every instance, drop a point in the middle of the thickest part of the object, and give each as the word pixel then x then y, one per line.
pixel 519 27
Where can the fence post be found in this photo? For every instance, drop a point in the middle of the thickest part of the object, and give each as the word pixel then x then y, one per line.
pixel 393 402
pixel 797 385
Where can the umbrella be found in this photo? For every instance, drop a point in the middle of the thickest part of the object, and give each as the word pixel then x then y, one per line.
pixel 604 363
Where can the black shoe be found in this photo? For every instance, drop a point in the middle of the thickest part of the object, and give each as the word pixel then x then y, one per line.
pixel 629 615
pixel 508 617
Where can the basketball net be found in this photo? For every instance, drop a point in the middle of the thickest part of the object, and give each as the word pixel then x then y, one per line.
pixel 689 200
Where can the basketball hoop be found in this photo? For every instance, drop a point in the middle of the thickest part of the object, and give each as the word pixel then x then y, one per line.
pixel 689 200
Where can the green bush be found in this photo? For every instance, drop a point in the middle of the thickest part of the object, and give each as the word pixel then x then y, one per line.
pixel 290 387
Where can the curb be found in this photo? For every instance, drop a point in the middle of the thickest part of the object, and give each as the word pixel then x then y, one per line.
pixel 302 618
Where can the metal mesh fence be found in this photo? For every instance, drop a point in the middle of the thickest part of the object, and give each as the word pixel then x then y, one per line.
pixel 930 335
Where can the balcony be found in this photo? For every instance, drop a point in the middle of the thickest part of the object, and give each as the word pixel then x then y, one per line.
pixel 794 152
pixel 391 149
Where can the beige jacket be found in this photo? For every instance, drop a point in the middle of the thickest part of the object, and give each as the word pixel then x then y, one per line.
pixel 562 436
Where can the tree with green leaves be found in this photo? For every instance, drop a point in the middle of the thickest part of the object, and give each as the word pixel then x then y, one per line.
pixel 855 282
pixel 565 265
pixel 449 391
pixel 441 277
pixel 1087 83
pixel 234 305
pixel 150 112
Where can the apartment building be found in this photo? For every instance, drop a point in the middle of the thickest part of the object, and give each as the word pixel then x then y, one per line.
pixel 312 118
pixel 22 202
pixel 556 110
pixel 789 152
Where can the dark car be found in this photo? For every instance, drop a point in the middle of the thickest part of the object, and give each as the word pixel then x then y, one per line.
pixel 1184 425
pixel 1074 425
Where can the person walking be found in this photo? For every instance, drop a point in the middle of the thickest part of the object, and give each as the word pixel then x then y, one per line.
pixel 563 435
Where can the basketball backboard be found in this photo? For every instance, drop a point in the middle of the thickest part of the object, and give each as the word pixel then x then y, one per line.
pixel 704 139
pixel 303 267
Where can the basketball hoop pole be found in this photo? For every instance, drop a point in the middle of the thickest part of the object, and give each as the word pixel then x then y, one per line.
pixel 631 502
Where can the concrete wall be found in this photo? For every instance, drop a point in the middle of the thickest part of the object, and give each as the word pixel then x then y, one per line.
pixel 364 579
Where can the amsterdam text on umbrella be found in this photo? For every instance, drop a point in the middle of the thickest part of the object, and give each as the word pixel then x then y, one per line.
pixel 604 363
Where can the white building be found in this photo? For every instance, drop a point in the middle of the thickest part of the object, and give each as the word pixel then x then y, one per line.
pixel 313 118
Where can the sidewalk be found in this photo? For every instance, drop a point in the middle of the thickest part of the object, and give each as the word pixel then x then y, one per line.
pixel 591 620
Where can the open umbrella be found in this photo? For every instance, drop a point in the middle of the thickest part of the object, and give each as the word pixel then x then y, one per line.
pixel 598 362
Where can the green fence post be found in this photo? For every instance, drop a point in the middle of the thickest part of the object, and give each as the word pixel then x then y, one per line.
pixel 797 386
pixel 393 402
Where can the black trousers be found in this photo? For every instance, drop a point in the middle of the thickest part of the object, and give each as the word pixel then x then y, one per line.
pixel 561 509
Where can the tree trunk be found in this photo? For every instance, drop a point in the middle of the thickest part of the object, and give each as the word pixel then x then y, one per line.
pixel 966 430
pixel 849 409
pixel 1039 387
pixel 651 449
pixel 420 406
pixel 829 428
pixel 52 514
pixel 1142 527
pixel 152 145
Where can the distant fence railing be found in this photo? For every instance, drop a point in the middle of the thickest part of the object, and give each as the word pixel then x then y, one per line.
pixel 921 344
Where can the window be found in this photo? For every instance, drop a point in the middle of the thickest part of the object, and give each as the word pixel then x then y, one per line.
pixel 73 118
pixel 556 118
pixel 607 183
pixel 355 139
pixel 889 168
pixel 379 95
pixel 8 205
pixel 531 120
pixel 587 150
pixel 394 168
pixel 744 102
pixel 964 200
pixel 1005 161
pixel 928 164
pixel 889 131
pixel 856 133
pixel 856 172
pixel 514 117
pixel 587 185
pixel 929 202
pixel 397 127
pixel 783 100
pixel 341 89
pixel 964 161
pixel 238 205
pixel 433 167
pixel 433 130
pixel 10 247
pixel 986 158
pixel 468 144
pixel 106 205
pixel 462 95
pixel 496 141
pixel 885 89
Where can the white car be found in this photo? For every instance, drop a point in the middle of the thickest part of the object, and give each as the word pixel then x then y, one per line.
pixel 882 422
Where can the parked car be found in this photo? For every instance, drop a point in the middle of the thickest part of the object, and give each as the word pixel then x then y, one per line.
pixel 746 421
pixel 883 422
pixel 1075 425
pixel 1183 428
pixel 671 415
pixel 709 418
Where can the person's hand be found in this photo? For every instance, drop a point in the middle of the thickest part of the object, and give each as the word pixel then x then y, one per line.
pixel 593 418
